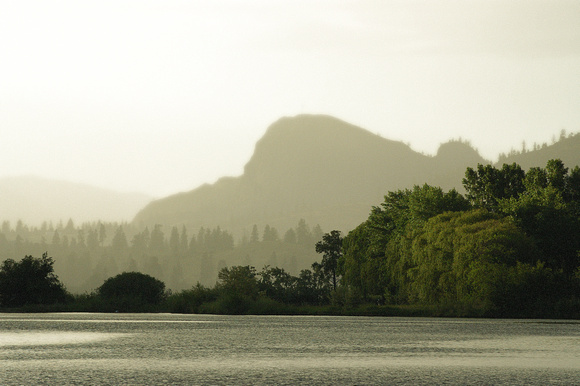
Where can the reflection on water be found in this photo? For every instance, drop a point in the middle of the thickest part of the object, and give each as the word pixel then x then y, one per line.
pixel 204 349
pixel 35 338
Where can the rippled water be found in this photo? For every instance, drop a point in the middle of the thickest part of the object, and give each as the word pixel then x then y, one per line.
pixel 205 349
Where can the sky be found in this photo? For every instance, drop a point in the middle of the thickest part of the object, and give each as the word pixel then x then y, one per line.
pixel 160 97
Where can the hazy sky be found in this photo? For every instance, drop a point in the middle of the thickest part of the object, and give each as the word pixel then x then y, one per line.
pixel 162 96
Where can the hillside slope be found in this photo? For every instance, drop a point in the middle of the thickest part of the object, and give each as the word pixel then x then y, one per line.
pixel 34 200
pixel 314 167
pixel 566 148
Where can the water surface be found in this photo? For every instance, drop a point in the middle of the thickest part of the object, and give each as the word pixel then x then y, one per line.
pixel 84 348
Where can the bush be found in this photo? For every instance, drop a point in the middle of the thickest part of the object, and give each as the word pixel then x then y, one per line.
pixel 30 281
pixel 132 291
pixel 190 301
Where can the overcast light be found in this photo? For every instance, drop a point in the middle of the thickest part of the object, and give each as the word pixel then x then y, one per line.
pixel 162 96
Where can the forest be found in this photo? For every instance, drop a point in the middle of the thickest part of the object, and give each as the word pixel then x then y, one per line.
pixel 508 247
pixel 89 253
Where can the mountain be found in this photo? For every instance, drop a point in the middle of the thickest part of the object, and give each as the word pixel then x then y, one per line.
pixel 34 200
pixel 312 167
pixel 566 148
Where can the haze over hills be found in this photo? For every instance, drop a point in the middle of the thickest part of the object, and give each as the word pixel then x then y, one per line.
pixel 311 167
pixel 567 148
pixel 34 200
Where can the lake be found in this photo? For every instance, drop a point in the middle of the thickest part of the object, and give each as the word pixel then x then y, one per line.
pixel 87 348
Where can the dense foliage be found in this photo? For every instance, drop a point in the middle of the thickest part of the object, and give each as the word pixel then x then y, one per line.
pixel 29 281
pixel 331 248
pixel 87 254
pixel 242 289
pixel 131 291
pixel 510 248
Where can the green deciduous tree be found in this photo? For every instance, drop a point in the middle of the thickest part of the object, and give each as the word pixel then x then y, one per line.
pixel 239 280
pixel 548 212
pixel 372 262
pixel 277 284
pixel 557 174
pixel 486 185
pixel 331 249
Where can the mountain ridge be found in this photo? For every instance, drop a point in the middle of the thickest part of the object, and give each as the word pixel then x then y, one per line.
pixel 315 167
pixel 566 149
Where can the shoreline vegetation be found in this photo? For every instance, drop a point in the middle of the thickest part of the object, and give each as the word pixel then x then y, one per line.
pixel 267 307
pixel 509 248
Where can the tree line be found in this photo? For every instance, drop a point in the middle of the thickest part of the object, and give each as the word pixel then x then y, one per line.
pixel 509 247
pixel 535 146
pixel 31 284
pixel 87 254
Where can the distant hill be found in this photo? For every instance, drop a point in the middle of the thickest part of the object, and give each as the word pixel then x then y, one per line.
pixel 314 167
pixel 34 200
pixel 567 149
pixel 327 172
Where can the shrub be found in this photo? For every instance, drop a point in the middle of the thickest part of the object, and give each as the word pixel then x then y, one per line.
pixel 132 291
pixel 30 281
pixel 190 301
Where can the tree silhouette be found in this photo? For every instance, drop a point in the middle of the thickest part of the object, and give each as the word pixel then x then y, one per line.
pixel 331 248
pixel 119 242
pixel 254 238
pixel 30 281
pixel 131 291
